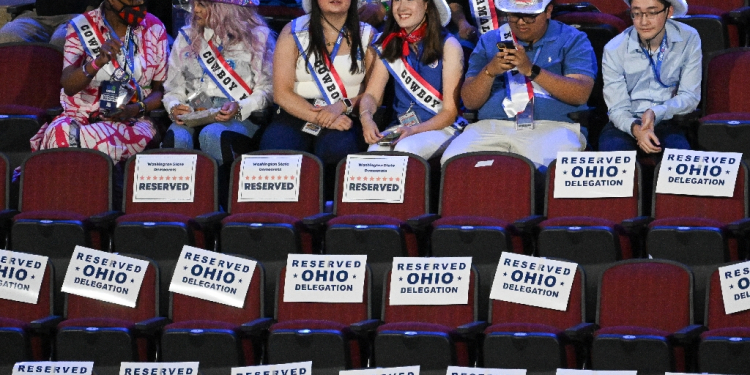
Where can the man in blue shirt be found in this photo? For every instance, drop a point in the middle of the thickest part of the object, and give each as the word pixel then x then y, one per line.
pixel 524 78
pixel 652 71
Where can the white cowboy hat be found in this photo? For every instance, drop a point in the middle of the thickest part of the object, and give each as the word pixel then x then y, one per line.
pixel 680 7
pixel 522 6
pixel 442 6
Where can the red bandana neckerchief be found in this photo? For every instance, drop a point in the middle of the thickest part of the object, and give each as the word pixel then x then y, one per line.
pixel 412 37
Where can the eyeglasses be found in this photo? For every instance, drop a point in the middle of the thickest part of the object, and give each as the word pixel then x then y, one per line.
pixel 527 18
pixel 651 14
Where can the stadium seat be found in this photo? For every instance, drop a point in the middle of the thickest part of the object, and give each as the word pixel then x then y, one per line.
pixel 725 125
pixel 433 337
pixel 725 347
pixel 613 7
pixel 735 13
pixel 5 212
pixel 478 214
pixel 712 31
pixel 108 333
pixel 334 336
pixel 534 338
pixel 65 201
pixel 644 306
pixel 30 95
pixel 159 230
pixel 378 230
pixel 26 329
pixel 269 231
pixel 218 336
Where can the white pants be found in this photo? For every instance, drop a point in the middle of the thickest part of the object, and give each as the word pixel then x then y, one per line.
pixel 427 144
pixel 539 145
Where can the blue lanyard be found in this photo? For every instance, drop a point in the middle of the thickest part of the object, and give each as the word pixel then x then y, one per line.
pixel 128 47
pixel 336 46
pixel 656 66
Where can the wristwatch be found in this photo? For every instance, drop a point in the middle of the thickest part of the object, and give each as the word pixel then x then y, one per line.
pixel 349 106
pixel 535 70
pixel 238 115
pixel 141 109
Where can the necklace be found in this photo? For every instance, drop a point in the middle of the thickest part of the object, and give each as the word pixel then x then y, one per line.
pixel 338 31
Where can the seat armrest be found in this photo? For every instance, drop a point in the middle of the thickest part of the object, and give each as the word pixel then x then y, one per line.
pixel 15 10
pixel 689 334
pixel 6 215
pixel 739 228
pixel 53 112
pixel 740 16
pixel 636 224
pixel 685 120
pixel 151 326
pixel 470 331
pixel 159 113
pixel 317 220
pixel 256 327
pixel 211 219
pixel 582 333
pixel 527 224
pixel 46 325
pixel 421 222
pixel 105 220
pixel 261 117
pixel 364 327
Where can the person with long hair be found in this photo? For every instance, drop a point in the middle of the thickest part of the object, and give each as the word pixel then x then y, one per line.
pixel 221 60
pixel 115 55
pixel 427 64
pixel 319 70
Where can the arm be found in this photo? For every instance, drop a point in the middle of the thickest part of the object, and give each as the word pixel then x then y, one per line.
pixel 482 72
pixel 453 58
pixel 175 86
pixel 372 13
pixel 689 87
pixel 263 73
pixel 73 80
pixel 371 99
pixel 616 91
pixel 458 18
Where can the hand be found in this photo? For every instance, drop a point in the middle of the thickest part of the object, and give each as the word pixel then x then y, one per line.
pixel 227 111
pixel 648 118
pixel 466 31
pixel 499 64
pixel 328 114
pixel 372 13
pixel 108 52
pixel 370 129
pixel 405 132
pixel 646 138
pixel 517 57
pixel 128 112
pixel 178 111
pixel 342 123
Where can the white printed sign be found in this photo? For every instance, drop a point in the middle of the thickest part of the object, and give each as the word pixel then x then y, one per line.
pixel 735 287
pixel 594 174
pixel 296 368
pixel 50 367
pixel 375 178
pixel 212 276
pixel 687 172
pixel 325 278
pixel 159 368
pixel 457 370
pixel 164 178
pixel 269 178
pixel 21 276
pixel 430 281
pixel 104 276
pixel 533 281
pixel 405 370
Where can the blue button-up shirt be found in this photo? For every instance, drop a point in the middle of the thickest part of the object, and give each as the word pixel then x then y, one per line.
pixel 630 87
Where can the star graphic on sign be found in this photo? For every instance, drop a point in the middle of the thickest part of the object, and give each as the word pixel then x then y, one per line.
pixel 142 178
pixel 565 172
pixel 266 177
pixel 185 268
pixel 161 178
pixel 562 283
pixel 253 177
pixel 239 281
pixel 359 178
pixel 132 280
pixel 727 172
pixel 295 275
pixel 731 286
pixel 505 274
pixel 390 179
pixel 247 178
pixel 278 177
pixel 372 178
pixel 32 277
pixel 354 276
pixel 624 171
pixel 78 268
pixel 670 168
pixel 459 277
pixel 377 179
pixel 148 178
pixel 272 177
pixel 400 279
pixel 398 178
pixel 285 177
pixel 180 178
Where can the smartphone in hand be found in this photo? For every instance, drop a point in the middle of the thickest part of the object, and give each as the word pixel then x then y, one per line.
pixel 506 44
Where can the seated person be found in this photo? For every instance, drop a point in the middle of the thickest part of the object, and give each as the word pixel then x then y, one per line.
pixel 525 78
pixel 243 46
pixel 471 19
pixel 652 71
pixel 128 59
pixel 318 77
pixel 415 44
pixel 48 23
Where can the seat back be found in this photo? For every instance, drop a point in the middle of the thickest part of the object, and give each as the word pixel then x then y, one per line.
pixel 613 7
pixel 447 315
pixel 715 313
pixel 28 312
pixel 184 308
pixel 509 312
pixel 723 209
pixel 310 189
pixel 344 313
pixel 725 84
pixel 501 189
pixel 655 294
pixel 146 307
pixel 416 192
pixel 722 5
pixel 4 182
pixel 712 30
pixel 614 209
pixel 75 180
pixel 205 198
pixel 30 76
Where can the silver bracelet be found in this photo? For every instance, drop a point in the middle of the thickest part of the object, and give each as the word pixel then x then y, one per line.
pixel 83 69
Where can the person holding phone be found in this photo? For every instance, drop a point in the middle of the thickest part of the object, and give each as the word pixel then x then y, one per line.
pixel 426 63
pixel 110 81
pixel 524 78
